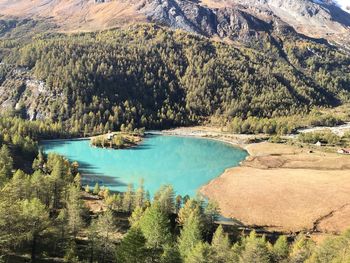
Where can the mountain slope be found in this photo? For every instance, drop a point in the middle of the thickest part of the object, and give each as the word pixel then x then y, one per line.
pixel 149 76
pixel 273 60
pixel 222 18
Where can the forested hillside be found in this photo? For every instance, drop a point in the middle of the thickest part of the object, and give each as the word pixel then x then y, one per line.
pixel 149 76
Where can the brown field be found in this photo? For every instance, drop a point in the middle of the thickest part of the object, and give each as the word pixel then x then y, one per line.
pixel 286 188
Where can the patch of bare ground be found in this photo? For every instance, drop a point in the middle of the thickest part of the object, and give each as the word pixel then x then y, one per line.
pixel 286 188
pixel 94 203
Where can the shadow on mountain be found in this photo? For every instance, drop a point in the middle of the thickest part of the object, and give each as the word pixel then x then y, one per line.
pixel 339 15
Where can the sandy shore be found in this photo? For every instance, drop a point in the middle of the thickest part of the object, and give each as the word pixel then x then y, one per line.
pixel 281 187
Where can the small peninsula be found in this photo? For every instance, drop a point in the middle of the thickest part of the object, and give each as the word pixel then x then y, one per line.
pixel 118 140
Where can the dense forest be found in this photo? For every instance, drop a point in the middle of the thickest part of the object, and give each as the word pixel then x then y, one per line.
pixel 148 76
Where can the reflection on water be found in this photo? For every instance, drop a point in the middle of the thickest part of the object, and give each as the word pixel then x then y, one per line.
pixel 186 163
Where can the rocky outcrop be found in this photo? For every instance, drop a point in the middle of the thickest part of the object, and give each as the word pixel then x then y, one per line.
pixel 234 19
pixel 232 23
pixel 20 90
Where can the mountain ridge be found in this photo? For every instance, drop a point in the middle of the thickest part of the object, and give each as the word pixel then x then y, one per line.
pixel 232 19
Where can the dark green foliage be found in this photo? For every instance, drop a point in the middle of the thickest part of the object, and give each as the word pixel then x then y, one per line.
pixel 133 248
pixel 255 250
pixel 221 246
pixel 190 236
pixel 6 164
pixel 165 198
pixel 327 137
pixel 148 76
pixel 281 125
pixel 280 250
pixel 155 226
pixel 336 249
pixel 201 253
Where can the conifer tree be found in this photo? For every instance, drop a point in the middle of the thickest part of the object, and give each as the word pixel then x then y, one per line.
pixel 74 210
pixel 105 227
pixel 128 198
pixel 132 248
pixel 35 220
pixel 190 235
pixel 255 250
pixel 280 250
pixel 201 253
pixel 6 164
pixel 165 197
pixel 155 226
pixel 221 246
pixel 140 195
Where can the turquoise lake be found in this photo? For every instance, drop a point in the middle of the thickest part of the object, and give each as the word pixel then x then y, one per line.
pixel 186 163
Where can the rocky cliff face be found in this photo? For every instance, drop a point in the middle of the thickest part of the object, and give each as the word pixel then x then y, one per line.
pixel 233 19
pixel 232 23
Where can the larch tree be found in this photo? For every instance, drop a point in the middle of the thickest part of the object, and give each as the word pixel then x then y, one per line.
pixel 155 226
pixel 128 198
pixel 6 164
pixel 35 219
pixel 221 246
pixel 190 235
pixel 74 210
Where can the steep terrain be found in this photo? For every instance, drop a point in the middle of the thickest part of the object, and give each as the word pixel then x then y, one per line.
pixel 223 18
pixel 149 76
pixel 273 58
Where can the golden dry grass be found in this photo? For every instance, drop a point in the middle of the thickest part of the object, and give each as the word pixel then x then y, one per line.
pixel 76 15
pixel 293 191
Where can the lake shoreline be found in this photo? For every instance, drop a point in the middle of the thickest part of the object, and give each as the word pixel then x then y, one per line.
pixel 299 171
pixel 177 158
pixel 290 167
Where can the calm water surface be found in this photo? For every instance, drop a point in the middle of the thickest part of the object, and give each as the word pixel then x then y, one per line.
pixel 186 163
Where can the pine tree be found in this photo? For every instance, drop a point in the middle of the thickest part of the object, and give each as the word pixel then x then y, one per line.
pixel 221 246
pixel 280 249
pixel 190 235
pixel 128 199
pixel 201 253
pixel 74 210
pixel 35 220
pixel 178 203
pixel 255 250
pixel 71 254
pixel 170 254
pixel 132 248
pixel 77 180
pixel 140 196
pixel 165 197
pixel 155 226
pixel 136 216
pixel 6 164
pixel 301 249
pixel 106 227
pixel 192 206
